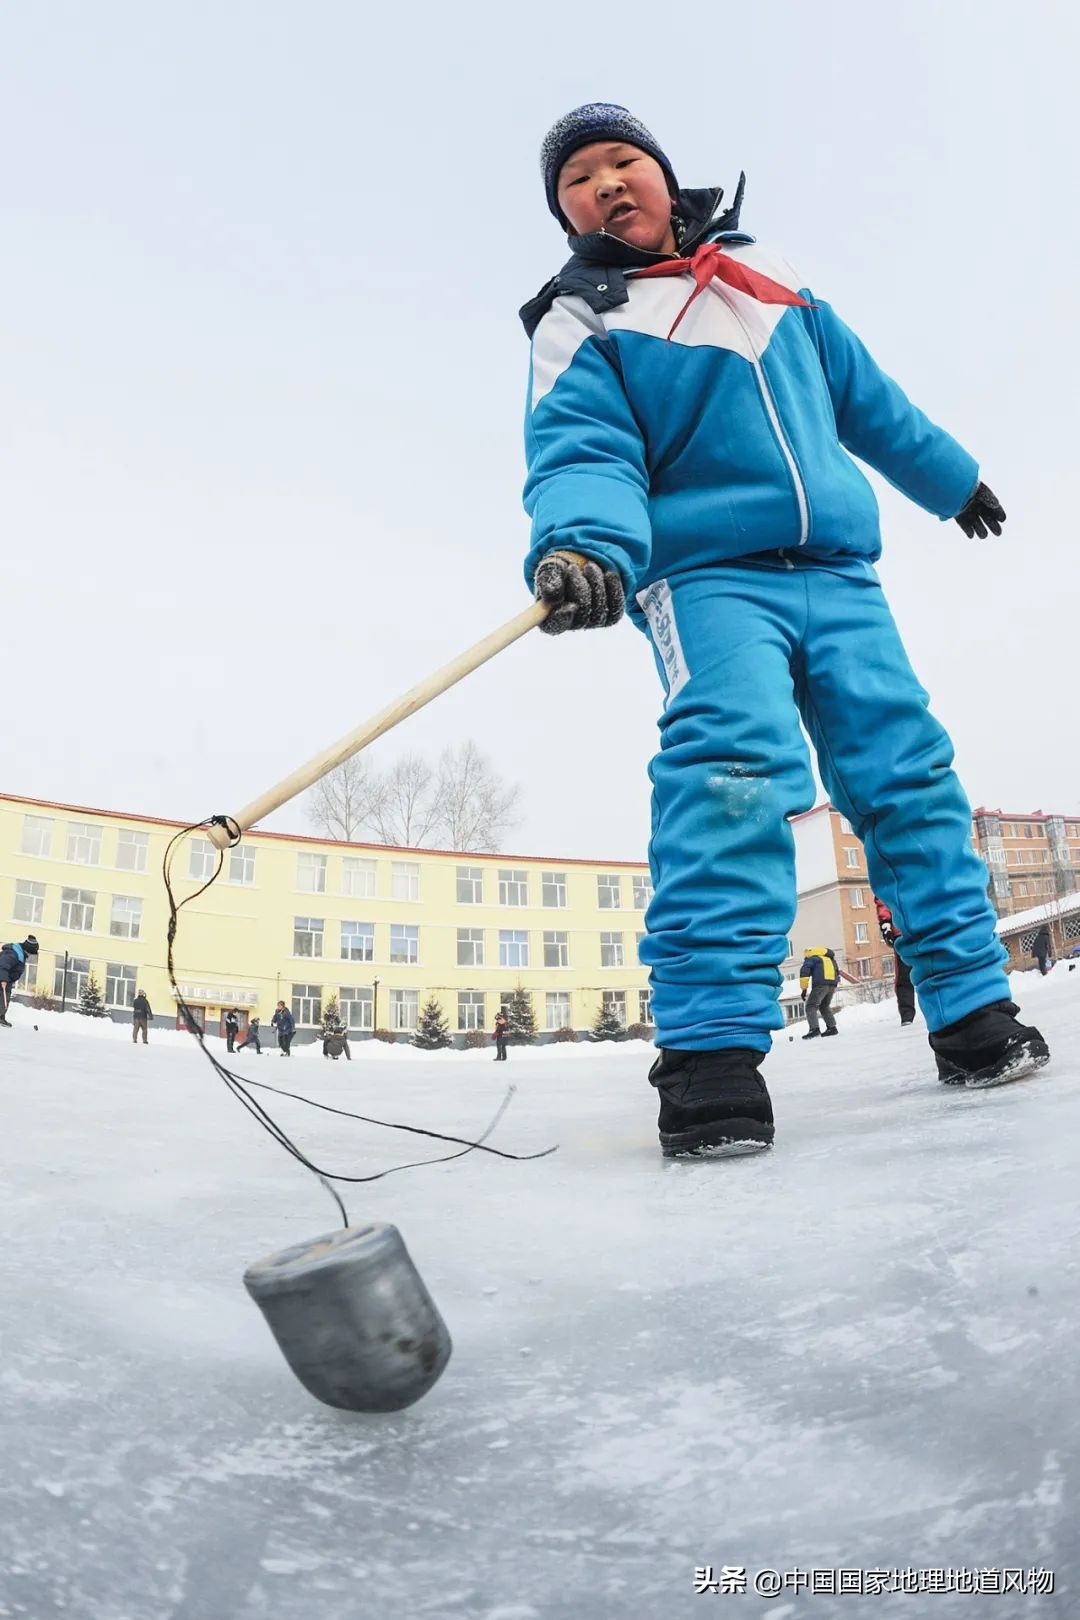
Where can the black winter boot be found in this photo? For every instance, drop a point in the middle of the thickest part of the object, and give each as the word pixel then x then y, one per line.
pixel 988 1048
pixel 712 1103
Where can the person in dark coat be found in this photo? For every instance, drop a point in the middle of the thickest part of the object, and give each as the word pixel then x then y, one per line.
pixel 905 991
pixel 819 977
pixel 232 1028
pixel 12 965
pixel 140 1017
pixel 1040 949
pixel 285 1024
pixel 336 1041
pixel 502 1029
pixel 252 1037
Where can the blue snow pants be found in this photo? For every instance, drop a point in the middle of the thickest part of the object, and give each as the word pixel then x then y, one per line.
pixel 744 650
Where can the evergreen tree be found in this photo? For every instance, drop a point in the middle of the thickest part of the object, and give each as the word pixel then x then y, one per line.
pixel 91 1002
pixel 607 1025
pixel 331 1015
pixel 520 1018
pixel 432 1030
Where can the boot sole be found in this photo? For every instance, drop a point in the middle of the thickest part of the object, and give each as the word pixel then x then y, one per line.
pixel 1032 1055
pixel 722 1140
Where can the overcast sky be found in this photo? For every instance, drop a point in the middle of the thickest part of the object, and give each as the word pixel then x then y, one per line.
pixel 262 377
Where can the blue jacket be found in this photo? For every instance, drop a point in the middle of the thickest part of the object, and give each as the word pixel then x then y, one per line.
pixel 284 1022
pixel 658 454
pixel 12 963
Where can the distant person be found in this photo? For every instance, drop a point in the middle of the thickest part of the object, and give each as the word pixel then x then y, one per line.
pixel 502 1030
pixel 819 977
pixel 140 1017
pixel 905 991
pixel 232 1029
pixel 252 1037
pixel 1040 950
pixel 336 1041
pixel 285 1024
pixel 12 966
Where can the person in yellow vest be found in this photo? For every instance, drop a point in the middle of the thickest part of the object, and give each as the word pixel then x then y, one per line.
pixel 819 977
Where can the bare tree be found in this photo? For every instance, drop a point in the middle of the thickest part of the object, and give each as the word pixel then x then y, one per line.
pixel 407 811
pixel 343 803
pixel 475 807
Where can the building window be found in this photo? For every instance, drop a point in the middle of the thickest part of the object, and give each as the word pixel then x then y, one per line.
pixel 611 950
pixel 125 920
pixel 29 901
pixel 513 888
pixel 851 855
pixel 637 946
pixel 119 985
pixel 77 909
pixel 405 880
pixel 358 877
pixel 845 826
pixel 888 967
pixel 864 967
pixel 858 899
pixel 513 948
pixel 557 1009
pixel 403 1009
pixel 615 999
pixel 608 891
pixel 29 978
pixel 470 885
pixel 643 892
pixel 202 860
pixel 242 864
pixel 1006 830
pixel 861 936
pixel 84 843
pixel 470 947
pixel 404 944
pixel 307 937
pixel 78 972
pixel 556 949
pixel 37 835
pixel 553 889
pixel 307 1003
pixel 470 1010
pixel 311 873
pixel 131 848
pixel 1021 888
pixel 357 942
pixel 645 1007
pixel 357 1011
pixel 1027 829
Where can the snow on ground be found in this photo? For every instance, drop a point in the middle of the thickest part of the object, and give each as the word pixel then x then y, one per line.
pixel 857 1351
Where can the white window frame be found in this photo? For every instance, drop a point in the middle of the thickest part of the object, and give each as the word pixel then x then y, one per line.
pixel 404 944
pixel 310 872
pixel 306 1005
pixel 80 903
pixel 862 934
pixel 616 999
pixel 851 855
pixel 469 881
pixel 553 890
pixel 864 967
pixel 513 886
pixel 404 1005
pixel 513 948
pixel 645 1013
pixel 405 880
pixel 356 930
pixel 135 845
pixel 643 891
pixel 78 972
pixel 608 891
pixel 125 916
pixel 858 899
pixel 242 865
pixel 471 1009
pixel 202 860
pixel 120 974
pixel 313 927
pixel 612 953
pixel 359 877
pixel 556 1009
pixel 357 1005
pixel 556 948
pixel 84 836
pixel 470 947
pixel 37 836
pixel 34 894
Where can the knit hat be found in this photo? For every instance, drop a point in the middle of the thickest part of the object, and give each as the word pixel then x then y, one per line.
pixel 595 121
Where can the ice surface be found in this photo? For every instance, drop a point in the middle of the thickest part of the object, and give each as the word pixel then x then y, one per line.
pixel 859 1350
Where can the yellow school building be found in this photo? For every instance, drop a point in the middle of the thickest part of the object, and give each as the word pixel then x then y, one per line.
pixel 301 919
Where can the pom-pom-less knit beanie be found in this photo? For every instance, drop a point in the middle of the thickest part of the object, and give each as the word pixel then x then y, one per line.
pixel 595 121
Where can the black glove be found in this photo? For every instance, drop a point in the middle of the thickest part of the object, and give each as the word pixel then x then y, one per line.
pixel 889 934
pixel 581 594
pixel 984 511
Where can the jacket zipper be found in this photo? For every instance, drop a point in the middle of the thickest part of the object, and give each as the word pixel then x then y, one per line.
pixel 774 418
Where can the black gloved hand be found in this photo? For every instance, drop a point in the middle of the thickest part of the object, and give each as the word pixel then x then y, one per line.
pixel 984 511
pixel 889 933
pixel 581 594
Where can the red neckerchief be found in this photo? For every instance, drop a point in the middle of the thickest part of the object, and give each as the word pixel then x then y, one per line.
pixel 711 261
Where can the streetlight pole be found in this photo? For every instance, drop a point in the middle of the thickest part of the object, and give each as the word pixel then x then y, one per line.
pixel 63 992
pixel 375 1005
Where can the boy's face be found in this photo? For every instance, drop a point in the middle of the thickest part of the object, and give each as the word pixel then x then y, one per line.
pixel 615 187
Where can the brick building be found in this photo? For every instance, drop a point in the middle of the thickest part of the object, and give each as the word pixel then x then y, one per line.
pixel 1031 858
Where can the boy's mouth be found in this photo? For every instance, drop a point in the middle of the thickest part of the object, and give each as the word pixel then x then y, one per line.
pixel 621 212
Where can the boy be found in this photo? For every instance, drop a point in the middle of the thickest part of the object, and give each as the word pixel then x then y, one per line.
pixel 689 401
